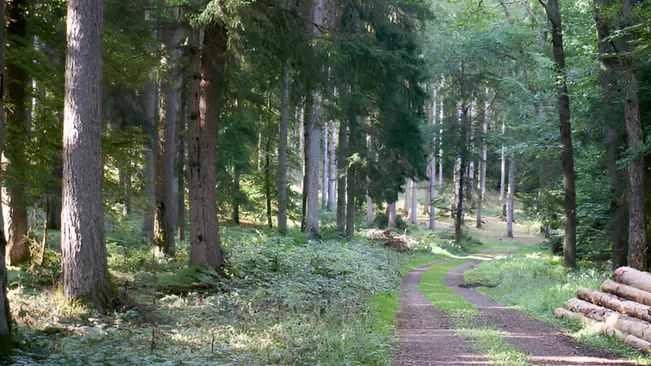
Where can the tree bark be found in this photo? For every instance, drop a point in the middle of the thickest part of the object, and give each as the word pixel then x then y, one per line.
pixel 324 175
pixel 634 278
pixel 236 194
pixel 205 104
pixel 282 150
pixel 441 118
pixel 392 215
pixel 267 178
pixel 351 184
pixel 313 229
pixel 510 210
pixel 482 164
pixel 414 202
pixel 569 247
pixel 333 169
pixel 626 292
pixel 149 107
pixel 306 162
pixel 83 250
pixel 181 168
pixel 431 197
pixel 15 140
pixel 407 203
pixel 608 81
pixel 342 155
pixel 170 102
pixel 503 165
pixel 614 303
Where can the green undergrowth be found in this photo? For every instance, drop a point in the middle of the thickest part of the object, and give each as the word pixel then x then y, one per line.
pixel 537 283
pixel 279 300
pixel 466 318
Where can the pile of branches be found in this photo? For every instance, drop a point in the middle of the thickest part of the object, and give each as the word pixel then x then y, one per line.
pixel 386 238
pixel 622 308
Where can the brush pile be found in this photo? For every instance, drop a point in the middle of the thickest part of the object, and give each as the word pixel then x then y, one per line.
pixel 386 238
pixel 622 308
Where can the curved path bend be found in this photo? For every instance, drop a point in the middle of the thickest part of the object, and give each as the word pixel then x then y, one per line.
pixel 428 338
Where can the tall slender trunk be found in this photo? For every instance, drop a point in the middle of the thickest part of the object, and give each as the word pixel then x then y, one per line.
pixel 324 175
pixel 414 202
pixel 306 161
pixel 282 150
pixel 569 247
pixel 482 163
pixel 236 194
pixel 207 65
pixel 5 314
pixel 470 183
pixel 312 222
pixel 407 203
pixel 608 80
pixel 13 192
pixel 170 102
pixel 441 118
pixel 351 184
pixel 510 210
pixel 181 168
pixel 427 191
pixel 302 149
pixel 503 172
pixel 458 221
pixel 149 107
pixel 83 250
pixel 392 215
pixel 342 156
pixel 332 173
pixel 267 179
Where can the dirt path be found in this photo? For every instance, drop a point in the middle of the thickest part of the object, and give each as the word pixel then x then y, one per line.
pixel 544 344
pixel 426 335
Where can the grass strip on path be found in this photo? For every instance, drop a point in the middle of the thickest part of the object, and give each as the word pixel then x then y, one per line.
pixel 466 318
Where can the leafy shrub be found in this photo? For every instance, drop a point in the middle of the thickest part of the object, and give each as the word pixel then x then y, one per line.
pixel 381 221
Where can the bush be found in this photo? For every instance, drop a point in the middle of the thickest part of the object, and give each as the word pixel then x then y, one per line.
pixel 381 221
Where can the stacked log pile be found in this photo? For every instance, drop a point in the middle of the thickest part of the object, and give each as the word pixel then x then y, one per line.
pixel 622 308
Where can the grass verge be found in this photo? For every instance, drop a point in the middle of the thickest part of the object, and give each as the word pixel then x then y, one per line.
pixel 466 317
pixel 549 285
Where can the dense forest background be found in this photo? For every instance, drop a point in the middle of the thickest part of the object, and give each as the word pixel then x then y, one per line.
pixel 150 130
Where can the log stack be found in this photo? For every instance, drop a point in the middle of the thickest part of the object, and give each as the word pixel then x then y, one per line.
pixel 622 308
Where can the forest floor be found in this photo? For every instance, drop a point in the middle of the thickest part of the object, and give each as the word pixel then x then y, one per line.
pixel 283 300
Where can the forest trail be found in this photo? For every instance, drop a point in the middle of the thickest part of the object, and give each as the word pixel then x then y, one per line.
pixel 428 338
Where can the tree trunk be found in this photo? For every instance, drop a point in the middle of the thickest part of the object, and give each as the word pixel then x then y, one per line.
pixel 414 202
pixel 427 191
pixel 84 266
pixel 236 195
pixel 608 81
pixel 392 215
pixel 441 118
pixel 351 184
pixel 313 230
pixel 342 156
pixel 306 162
pixel 431 196
pixel 181 168
pixel 170 103
pixel 324 175
pixel 333 169
pixel 282 150
pixel 482 163
pixel 407 202
pixel 510 210
pixel 634 278
pixel 569 247
pixel 5 314
pixel 15 139
pixel 149 107
pixel 459 204
pixel 203 125
pixel 503 165
pixel 267 179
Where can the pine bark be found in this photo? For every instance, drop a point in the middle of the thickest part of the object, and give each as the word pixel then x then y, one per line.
pixel 569 247
pixel 83 250
pixel 431 196
pixel 236 195
pixel 392 215
pixel 342 155
pixel 626 292
pixel 324 175
pixel 207 68
pixel 351 178
pixel 149 107
pixel 511 193
pixel 502 165
pixel 482 164
pixel 407 203
pixel 170 103
pixel 414 202
pixel 5 314
pixel 306 162
pixel 608 81
pixel 15 140
pixel 180 197
pixel 312 219
pixel 332 173
pixel 267 179
pixel 282 150
pixel 441 118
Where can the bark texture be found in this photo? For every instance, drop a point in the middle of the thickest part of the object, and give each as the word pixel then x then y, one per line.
pixel 510 209
pixel 204 104
pixel 83 250
pixel 282 150
pixel 170 103
pixel 324 175
pixel 626 292
pixel 392 215
pixel 312 223
pixel 5 314
pixel 414 202
pixel 332 173
pixel 149 107
pixel 569 246
pixel 342 155
pixel 15 139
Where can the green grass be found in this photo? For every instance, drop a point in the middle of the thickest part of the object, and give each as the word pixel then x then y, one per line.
pixel 385 305
pixel 466 317
pixel 548 286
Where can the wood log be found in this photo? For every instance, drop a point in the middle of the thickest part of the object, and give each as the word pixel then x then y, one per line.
pixel 627 292
pixel 634 278
pixel 615 303
pixel 602 328
pixel 638 328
